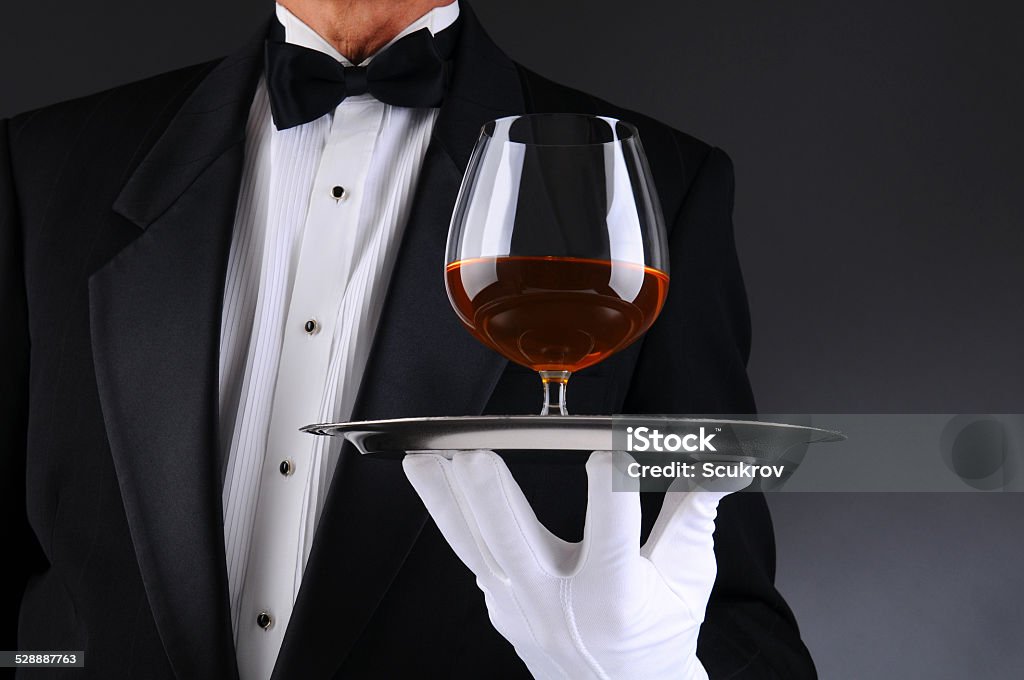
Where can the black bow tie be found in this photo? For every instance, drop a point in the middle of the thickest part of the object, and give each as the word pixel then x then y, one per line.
pixel 304 84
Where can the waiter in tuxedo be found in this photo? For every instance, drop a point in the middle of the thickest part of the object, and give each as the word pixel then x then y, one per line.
pixel 196 264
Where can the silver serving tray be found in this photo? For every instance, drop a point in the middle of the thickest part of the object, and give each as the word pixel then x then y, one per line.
pixel 739 440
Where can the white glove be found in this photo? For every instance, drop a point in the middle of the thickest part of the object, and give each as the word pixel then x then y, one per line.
pixel 601 608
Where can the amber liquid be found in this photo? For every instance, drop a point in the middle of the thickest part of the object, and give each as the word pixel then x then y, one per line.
pixel 555 313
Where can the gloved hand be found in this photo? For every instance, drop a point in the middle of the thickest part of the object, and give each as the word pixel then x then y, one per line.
pixel 601 608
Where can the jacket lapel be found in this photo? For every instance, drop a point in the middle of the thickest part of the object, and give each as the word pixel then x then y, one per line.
pixel 155 319
pixel 422 363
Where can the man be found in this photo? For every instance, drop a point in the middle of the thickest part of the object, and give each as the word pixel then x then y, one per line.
pixel 196 264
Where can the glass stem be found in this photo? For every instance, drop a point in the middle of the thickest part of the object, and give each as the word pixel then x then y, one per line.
pixel 555 383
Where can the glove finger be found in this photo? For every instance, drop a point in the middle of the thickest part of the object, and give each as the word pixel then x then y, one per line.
pixel 612 530
pixel 433 477
pixel 681 544
pixel 511 531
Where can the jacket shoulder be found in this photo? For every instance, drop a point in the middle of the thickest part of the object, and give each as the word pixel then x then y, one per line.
pixel 674 155
pixel 126 114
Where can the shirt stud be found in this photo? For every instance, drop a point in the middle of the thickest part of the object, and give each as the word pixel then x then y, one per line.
pixel 338 192
pixel 264 620
pixel 312 327
pixel 286 467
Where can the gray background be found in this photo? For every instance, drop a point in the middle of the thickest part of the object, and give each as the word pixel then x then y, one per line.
pixel 878 155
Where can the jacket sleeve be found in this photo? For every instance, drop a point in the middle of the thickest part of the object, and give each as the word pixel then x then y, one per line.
pixel 693 361
pixel 19 544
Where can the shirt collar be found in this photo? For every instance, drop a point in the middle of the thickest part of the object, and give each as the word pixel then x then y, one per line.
pixel 299 33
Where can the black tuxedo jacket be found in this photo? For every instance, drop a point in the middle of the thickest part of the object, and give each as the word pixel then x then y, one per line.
pixel 116 213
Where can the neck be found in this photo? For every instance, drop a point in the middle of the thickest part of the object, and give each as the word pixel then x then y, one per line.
pixel 358 28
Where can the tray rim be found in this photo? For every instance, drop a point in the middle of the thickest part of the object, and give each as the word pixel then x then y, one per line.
pixel 382 425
